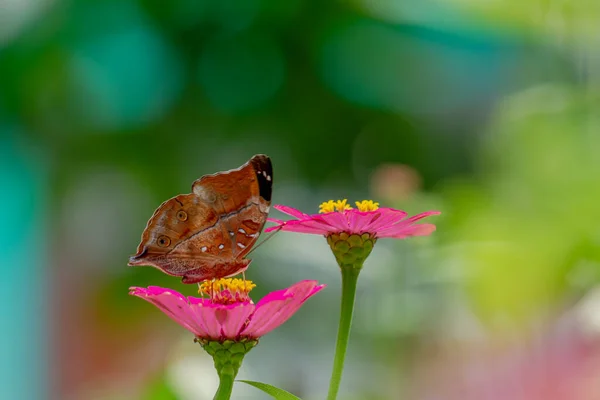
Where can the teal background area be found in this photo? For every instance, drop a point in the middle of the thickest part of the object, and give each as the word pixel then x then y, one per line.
pixel 23 290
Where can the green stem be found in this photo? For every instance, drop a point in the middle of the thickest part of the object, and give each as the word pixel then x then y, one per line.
pixel 349 280
pixel 228 356
pixel 225 387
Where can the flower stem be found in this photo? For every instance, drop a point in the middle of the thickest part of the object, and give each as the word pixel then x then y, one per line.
pixel 228 356
pixel 349 280
pixel 225 387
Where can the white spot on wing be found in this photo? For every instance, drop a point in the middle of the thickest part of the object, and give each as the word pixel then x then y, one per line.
pixel 221 246
pixel 241 245
pixel 231 233
pixel 241 230
pixel 204 248
pixel 269 178
pixel 253 234
pixel 205 194
pixel 264 173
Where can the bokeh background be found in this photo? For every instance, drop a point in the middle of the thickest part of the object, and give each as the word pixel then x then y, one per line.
pixel 487 111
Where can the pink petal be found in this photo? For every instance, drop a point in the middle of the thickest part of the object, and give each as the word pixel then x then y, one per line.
pixel 263 316
pixel 273 228
pixel 310 224
pixel 411 220
pixel 291 211
pixel 392 229
pixel 357 221
pixel 314 226
pixel 172 303
pixel 403 231
pixel 363 221
pixel 388 216
pixel 207 314
pixel 337 220
pixel 236 318
pixel 219 320
pixel 278 295
pixel 300 292
pixel 417 217
pixel 153 291
pixel 278 307
pixel 207 329
pixel 278 224
pixel 286 312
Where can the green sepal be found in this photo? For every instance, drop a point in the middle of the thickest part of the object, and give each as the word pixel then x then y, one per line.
pixel 351 250
pixel 271 390
pixel 227 355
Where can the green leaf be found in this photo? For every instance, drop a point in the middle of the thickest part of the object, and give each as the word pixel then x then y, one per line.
pixel 275 392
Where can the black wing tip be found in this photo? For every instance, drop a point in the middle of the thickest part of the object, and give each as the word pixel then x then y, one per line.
pixel 261 160
pixel 264 172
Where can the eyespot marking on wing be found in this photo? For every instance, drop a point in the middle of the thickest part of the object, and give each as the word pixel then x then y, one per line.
pixel 163 241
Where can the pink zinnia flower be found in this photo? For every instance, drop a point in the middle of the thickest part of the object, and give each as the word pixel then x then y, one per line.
pixel 352 233
pixel 229 313
pixel 338 217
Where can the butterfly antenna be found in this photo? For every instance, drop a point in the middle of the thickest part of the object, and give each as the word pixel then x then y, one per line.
pixel 271 234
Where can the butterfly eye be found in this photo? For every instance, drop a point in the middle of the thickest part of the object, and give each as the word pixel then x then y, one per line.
pixel 181 215
pixel 163 241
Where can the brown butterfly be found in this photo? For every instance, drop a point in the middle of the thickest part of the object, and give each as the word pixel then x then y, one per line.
pixel 206 234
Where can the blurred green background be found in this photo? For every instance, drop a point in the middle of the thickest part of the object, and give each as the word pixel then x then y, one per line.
pixel 487 111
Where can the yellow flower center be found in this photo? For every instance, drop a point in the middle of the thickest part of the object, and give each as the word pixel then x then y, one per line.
pixel 367 205
pixel 331 206
pixel 226 290
pixel 342 205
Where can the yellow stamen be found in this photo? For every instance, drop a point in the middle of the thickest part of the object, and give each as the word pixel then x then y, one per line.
pixel 231 284
pixel 331 206
pixel 367 205
pixel 227 290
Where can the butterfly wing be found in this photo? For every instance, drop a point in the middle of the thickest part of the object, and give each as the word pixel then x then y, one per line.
pixel 205 234
pixel 231 191
pixel 243 200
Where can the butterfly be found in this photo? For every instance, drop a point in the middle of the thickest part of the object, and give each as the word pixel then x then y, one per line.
pixel 207 233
